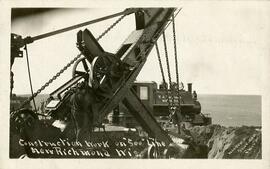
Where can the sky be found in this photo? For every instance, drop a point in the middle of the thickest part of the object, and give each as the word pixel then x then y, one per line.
pixel 221 47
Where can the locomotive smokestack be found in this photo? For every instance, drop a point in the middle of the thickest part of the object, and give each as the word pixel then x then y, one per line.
pixel 190 87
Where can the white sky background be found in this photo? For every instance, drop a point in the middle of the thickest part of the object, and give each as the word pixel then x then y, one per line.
pixel 221 47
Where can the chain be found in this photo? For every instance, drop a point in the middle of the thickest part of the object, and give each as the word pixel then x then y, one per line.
pixel 160 63
pixel 178 115
pixel 167 58
pixel 170 105
pixel 162 74
pixel 176 62
pixel 47 83
pixel 168 67
pixel 110 27
pixel 66 67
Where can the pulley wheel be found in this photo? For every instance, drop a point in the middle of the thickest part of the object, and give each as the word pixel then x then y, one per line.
pixel 101 68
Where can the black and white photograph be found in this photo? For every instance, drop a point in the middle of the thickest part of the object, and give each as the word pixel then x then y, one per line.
pixel 185 81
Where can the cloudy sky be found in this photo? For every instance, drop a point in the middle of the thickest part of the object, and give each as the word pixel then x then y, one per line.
pixel 221 47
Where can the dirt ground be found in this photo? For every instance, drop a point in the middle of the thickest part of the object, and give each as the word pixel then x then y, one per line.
pixel 229 142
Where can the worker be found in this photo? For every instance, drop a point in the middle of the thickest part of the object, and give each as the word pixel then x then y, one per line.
pixel 194 95
pixel 163 86
pixel 81 109
pixel 181 86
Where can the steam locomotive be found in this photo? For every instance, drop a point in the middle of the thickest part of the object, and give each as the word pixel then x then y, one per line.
pixel 155 98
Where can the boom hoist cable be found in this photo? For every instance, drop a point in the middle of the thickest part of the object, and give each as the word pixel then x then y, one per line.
pixel 66 66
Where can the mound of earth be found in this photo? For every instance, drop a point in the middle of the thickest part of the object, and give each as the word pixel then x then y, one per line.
pixel 229 142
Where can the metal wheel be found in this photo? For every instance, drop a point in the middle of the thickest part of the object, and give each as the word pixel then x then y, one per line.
pixel 171 152
pixel 152 152
pixel 101 68
pixel 81 67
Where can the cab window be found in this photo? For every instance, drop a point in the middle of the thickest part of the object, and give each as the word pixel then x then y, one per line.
pixel 144 93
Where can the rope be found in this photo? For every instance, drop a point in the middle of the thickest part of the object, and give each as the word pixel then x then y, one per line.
pixel 29 75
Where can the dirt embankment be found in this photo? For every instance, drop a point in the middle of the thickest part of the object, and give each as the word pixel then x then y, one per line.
pixel 229 142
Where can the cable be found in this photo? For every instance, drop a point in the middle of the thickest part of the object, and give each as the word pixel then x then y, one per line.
pixel 45 35
pixel 29 75
pixel 171 20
